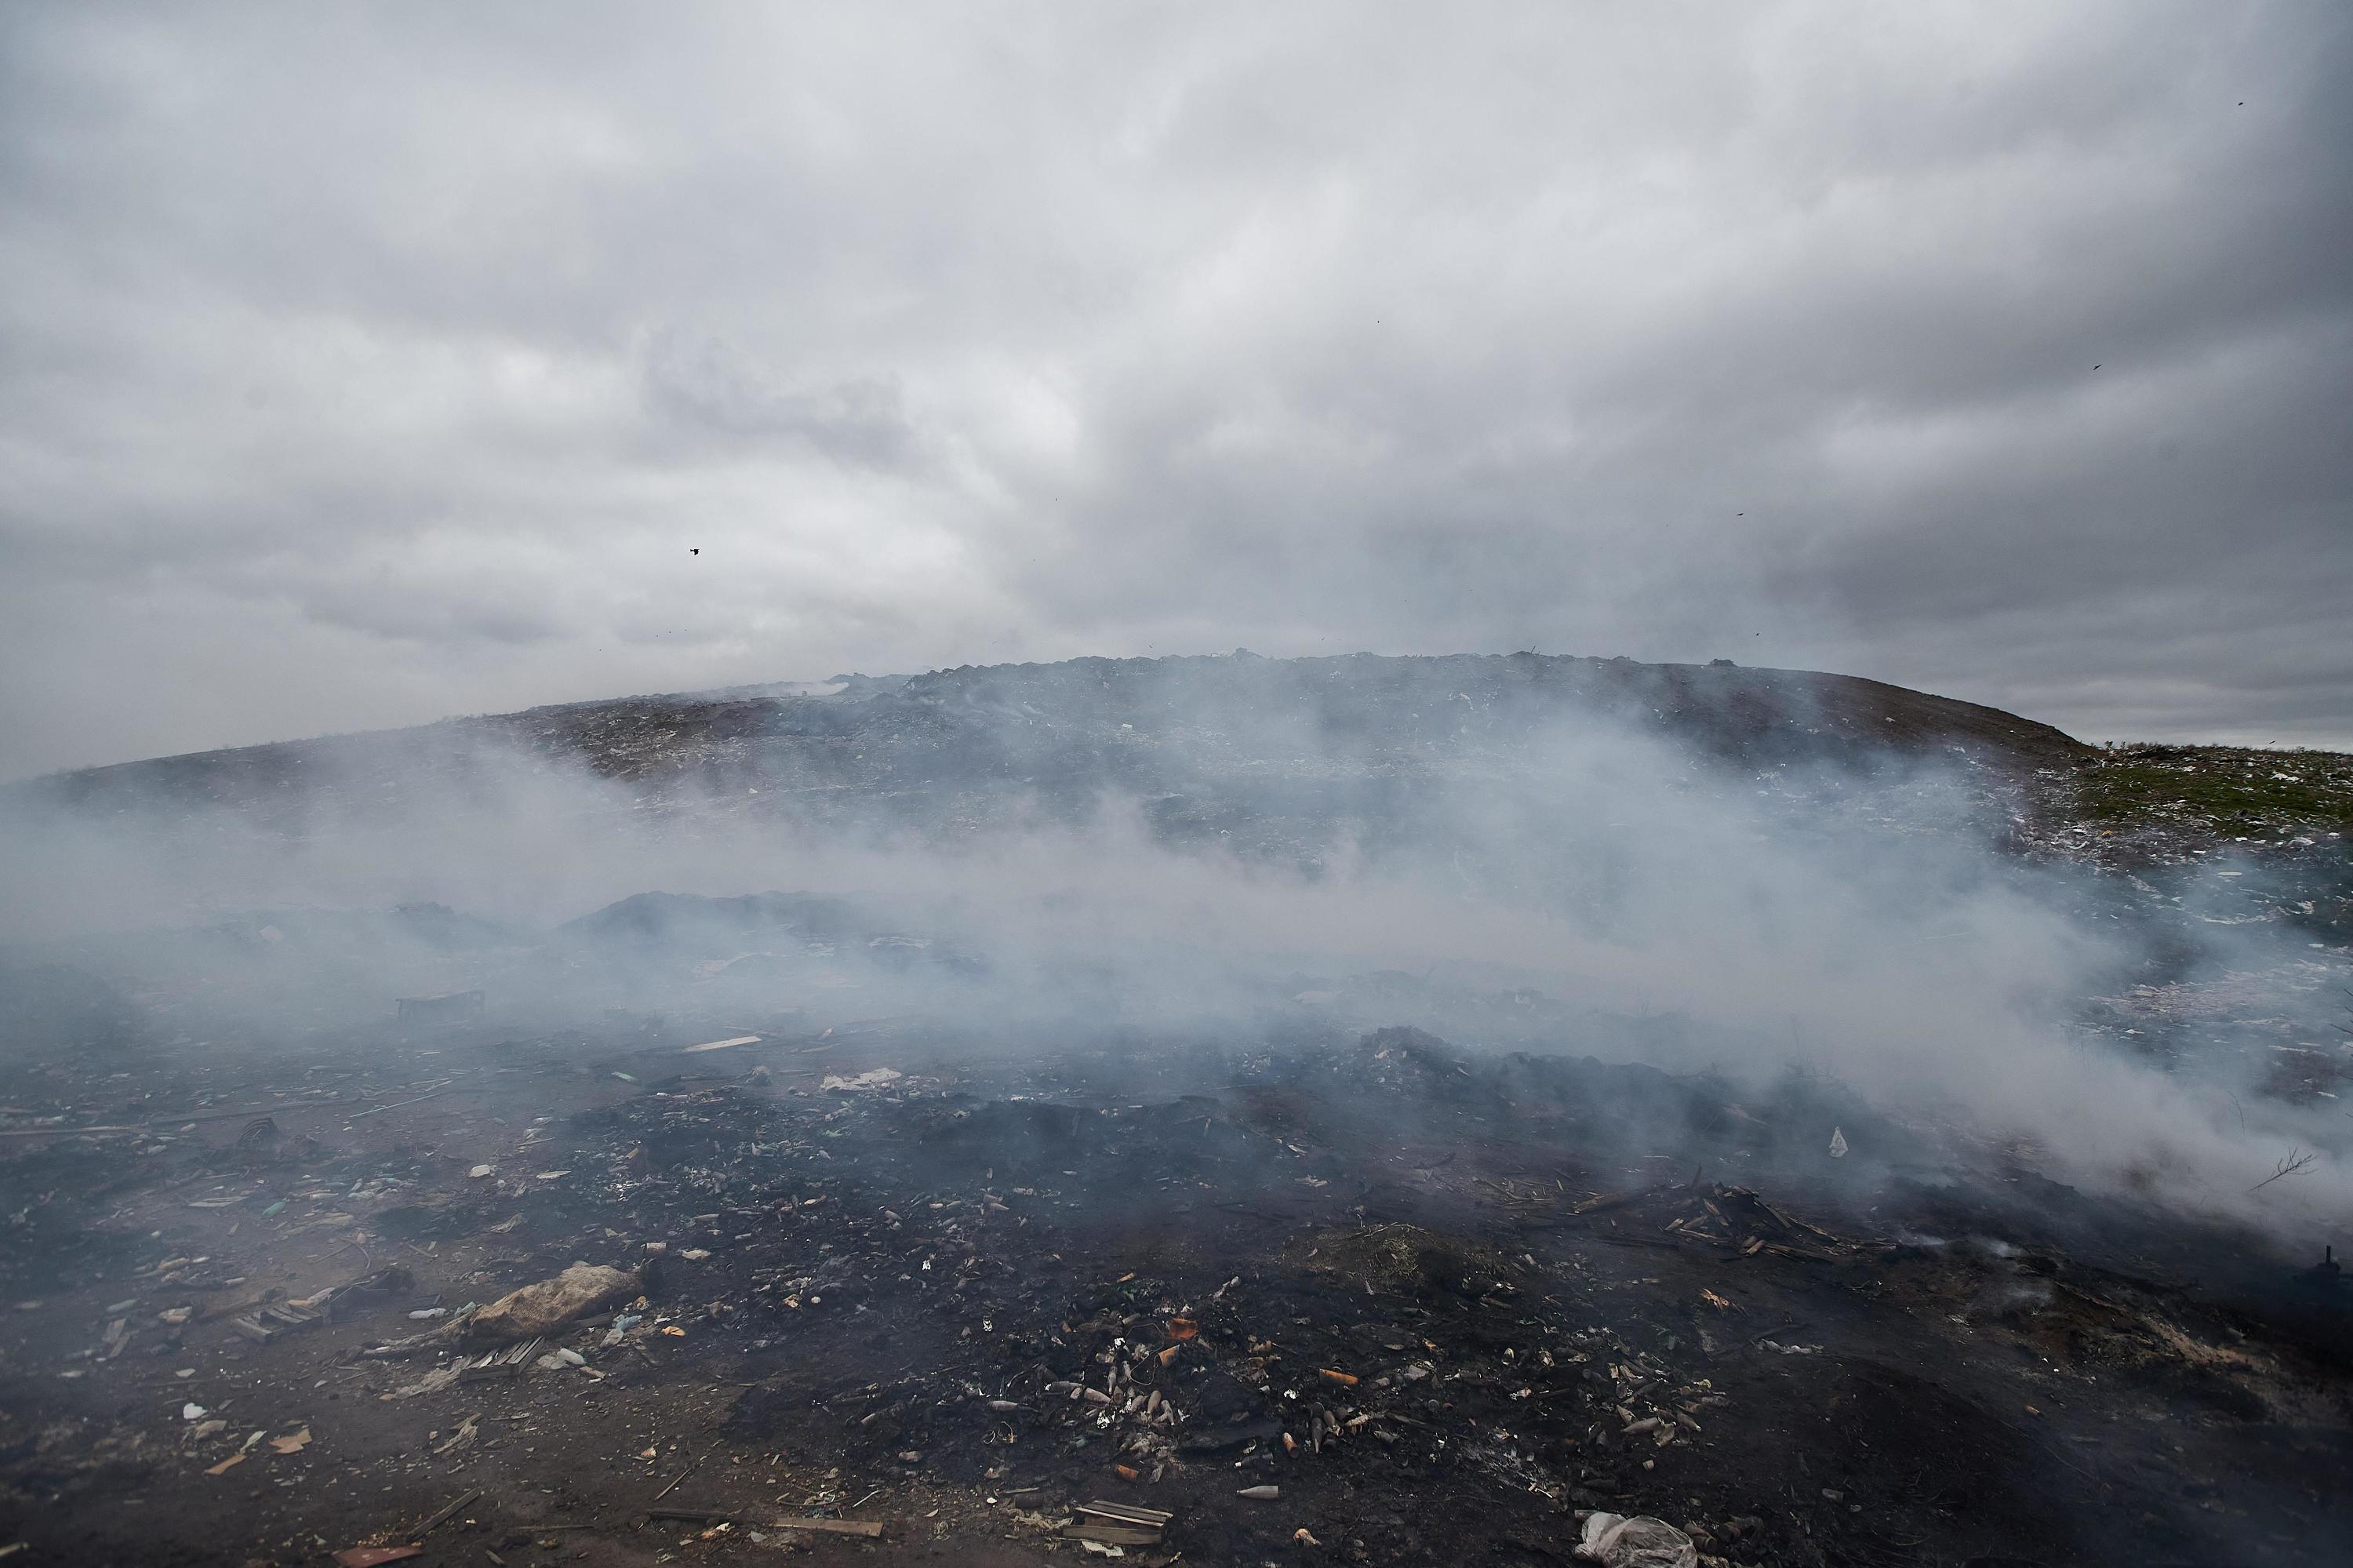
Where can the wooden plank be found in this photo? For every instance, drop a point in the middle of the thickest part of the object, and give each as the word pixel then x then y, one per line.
pixel 1112 1534
pixel 1126 1513
pixel 830 1526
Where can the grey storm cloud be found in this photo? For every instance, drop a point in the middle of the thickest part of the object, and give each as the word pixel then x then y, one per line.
pixel 360 366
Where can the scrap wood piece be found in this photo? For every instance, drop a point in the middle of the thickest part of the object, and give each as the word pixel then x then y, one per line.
pixel 1603 1201
pixel 369 1556
pixel 444 1515
pixel 728 1044
pixel 1112 1534
pixel 278 1318
pixel 1127 1513
pixel 1622 1238
pixel 1536 1199
pixel 508 1363
pixel 379 1110
pixel 1763 1217
pixel 432 1340
pixel 871 1531
pixel 692 1466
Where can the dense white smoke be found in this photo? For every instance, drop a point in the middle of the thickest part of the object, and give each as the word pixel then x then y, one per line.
pixel 1869 930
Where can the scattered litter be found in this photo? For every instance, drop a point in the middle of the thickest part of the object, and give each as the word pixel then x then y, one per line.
pixel 431 1382
pixel 1112 1526
pixel 492 1365
pixel 251 1441
pixel 293 1442
pixel 879 1077
pixel 279 1317
pixel 830 1527
pixel 720 1044
pixel 1616 1540
pixel 1838 1143
pixel 549 1305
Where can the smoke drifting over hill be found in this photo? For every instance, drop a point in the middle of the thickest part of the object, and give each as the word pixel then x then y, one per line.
pixel 1711 871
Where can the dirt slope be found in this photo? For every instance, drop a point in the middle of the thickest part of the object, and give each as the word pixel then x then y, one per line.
pixel 1087 725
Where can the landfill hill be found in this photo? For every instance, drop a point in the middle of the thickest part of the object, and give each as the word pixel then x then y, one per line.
pixel 1149 725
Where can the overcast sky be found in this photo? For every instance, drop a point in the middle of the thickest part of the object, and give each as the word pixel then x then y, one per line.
pixel 363 366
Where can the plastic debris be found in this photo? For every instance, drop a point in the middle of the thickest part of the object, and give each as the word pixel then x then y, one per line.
pixel 1616 1540
pixel 862 1082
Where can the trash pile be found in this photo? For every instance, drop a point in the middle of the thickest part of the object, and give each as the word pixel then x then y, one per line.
pixel 1377 1300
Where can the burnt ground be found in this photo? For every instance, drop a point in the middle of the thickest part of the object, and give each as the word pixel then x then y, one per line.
pixel 1443 1302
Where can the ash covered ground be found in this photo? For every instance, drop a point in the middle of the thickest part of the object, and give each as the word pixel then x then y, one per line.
pixel 1021 1113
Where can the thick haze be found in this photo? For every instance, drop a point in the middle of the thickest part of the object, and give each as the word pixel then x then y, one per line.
pixel 359 366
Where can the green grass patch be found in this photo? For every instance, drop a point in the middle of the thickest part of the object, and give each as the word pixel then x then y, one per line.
pixel 2229 789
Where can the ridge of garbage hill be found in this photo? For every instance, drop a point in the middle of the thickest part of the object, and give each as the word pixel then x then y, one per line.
pixel 1085 726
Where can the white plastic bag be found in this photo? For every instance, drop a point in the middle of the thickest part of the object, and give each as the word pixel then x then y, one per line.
pixel 1615 1540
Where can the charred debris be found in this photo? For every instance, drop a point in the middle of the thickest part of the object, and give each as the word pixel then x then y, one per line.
pixel 641 1297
